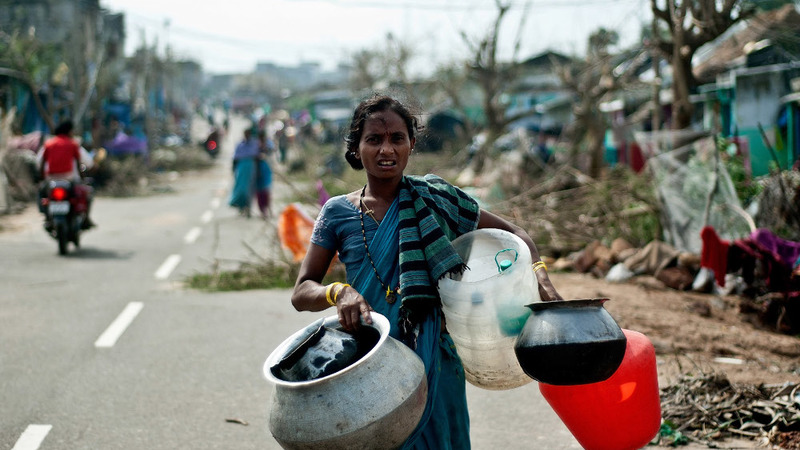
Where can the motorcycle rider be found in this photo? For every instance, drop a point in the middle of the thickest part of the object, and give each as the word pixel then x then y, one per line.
pixel 61 158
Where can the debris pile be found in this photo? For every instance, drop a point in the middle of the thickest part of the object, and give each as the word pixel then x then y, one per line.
pixel 779 204
pixel 569 210
pixel 611 228
pixel 709 408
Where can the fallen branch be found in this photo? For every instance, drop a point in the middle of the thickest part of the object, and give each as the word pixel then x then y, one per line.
pixel 709 407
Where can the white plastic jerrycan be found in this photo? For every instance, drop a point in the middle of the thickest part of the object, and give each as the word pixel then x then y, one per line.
pixel 485 307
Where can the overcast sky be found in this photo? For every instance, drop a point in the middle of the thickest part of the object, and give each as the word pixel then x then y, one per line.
pixel 229 36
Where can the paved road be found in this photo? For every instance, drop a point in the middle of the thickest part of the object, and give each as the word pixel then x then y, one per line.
pixel 104 348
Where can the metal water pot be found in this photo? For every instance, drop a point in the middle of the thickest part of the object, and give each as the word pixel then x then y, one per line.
pixel 570 342
pixel 373 403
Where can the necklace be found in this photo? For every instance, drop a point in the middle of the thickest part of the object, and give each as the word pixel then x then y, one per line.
pixel 391 294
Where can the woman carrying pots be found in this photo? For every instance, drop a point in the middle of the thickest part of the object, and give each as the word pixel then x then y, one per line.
pixel 393 235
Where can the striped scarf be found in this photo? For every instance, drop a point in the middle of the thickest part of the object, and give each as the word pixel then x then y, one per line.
pixel 432 213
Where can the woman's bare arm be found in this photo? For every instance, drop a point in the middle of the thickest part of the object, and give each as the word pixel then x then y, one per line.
pixel 310 294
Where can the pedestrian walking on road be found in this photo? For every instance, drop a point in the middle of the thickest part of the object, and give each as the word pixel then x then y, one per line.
pixel 244 173
pixel 393 235
pixel 264 174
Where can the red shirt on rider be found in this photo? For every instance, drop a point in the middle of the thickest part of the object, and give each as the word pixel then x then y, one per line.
pixel 61 155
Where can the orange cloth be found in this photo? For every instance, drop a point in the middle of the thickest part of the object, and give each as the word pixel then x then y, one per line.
pixel 295 228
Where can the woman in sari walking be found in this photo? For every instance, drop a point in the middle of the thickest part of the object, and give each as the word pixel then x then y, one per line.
pixel 393 235
pixel 264 175
pixel 244 173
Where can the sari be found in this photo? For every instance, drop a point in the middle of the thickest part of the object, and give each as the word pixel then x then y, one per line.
pixel 446 401
pixel 244 174
pixel 243 184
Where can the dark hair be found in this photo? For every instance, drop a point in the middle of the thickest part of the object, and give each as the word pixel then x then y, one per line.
pixel 64 127
pixel 376 103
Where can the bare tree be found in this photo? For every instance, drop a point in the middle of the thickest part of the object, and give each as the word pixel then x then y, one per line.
pixel 88 58
pixel 683 27
pixel 591 82
pixel 365 74
pixel 65 74
pixel 35 64
pixel 382 66
pixel 494 77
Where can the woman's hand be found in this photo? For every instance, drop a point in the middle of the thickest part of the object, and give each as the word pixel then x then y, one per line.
pixel 547 291
pixel 352 307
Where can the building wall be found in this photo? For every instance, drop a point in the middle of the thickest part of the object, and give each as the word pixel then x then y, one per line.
pixel 758 98
pixel 52 19
pixel 758 102
pixel 50 22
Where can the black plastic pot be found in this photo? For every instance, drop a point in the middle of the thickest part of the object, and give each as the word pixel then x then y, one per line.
pixel 570 342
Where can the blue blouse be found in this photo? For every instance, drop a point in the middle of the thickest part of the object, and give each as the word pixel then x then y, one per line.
pixel 338 228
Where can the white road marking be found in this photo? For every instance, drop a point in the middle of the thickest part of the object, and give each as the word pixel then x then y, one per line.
pixel 32 437
pixel 215 203
pixel 192 235
pixel 167 267
pixel 207 216
pixel 119 325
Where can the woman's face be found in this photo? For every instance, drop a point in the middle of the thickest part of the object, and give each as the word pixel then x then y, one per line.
pixel 385 145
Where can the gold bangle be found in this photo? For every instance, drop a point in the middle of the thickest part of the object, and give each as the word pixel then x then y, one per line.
pixel 338 291
pixel 539 265
pixel 331 301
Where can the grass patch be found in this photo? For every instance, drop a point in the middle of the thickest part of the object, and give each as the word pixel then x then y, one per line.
pixel 248 276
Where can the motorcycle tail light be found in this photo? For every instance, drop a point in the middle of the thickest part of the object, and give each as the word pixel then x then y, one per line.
pixel 58 194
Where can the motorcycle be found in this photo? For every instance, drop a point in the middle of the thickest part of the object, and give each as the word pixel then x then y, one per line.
pixel 66 212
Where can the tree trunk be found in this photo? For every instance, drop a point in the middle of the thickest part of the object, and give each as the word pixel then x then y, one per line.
pixel 595 140
pixel 682 108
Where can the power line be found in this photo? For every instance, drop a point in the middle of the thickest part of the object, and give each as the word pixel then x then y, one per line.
pixel 209 37
pixel 256 47
pixel 468 6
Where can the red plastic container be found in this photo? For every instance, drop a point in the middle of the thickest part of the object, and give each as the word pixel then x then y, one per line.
pixel 622 412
